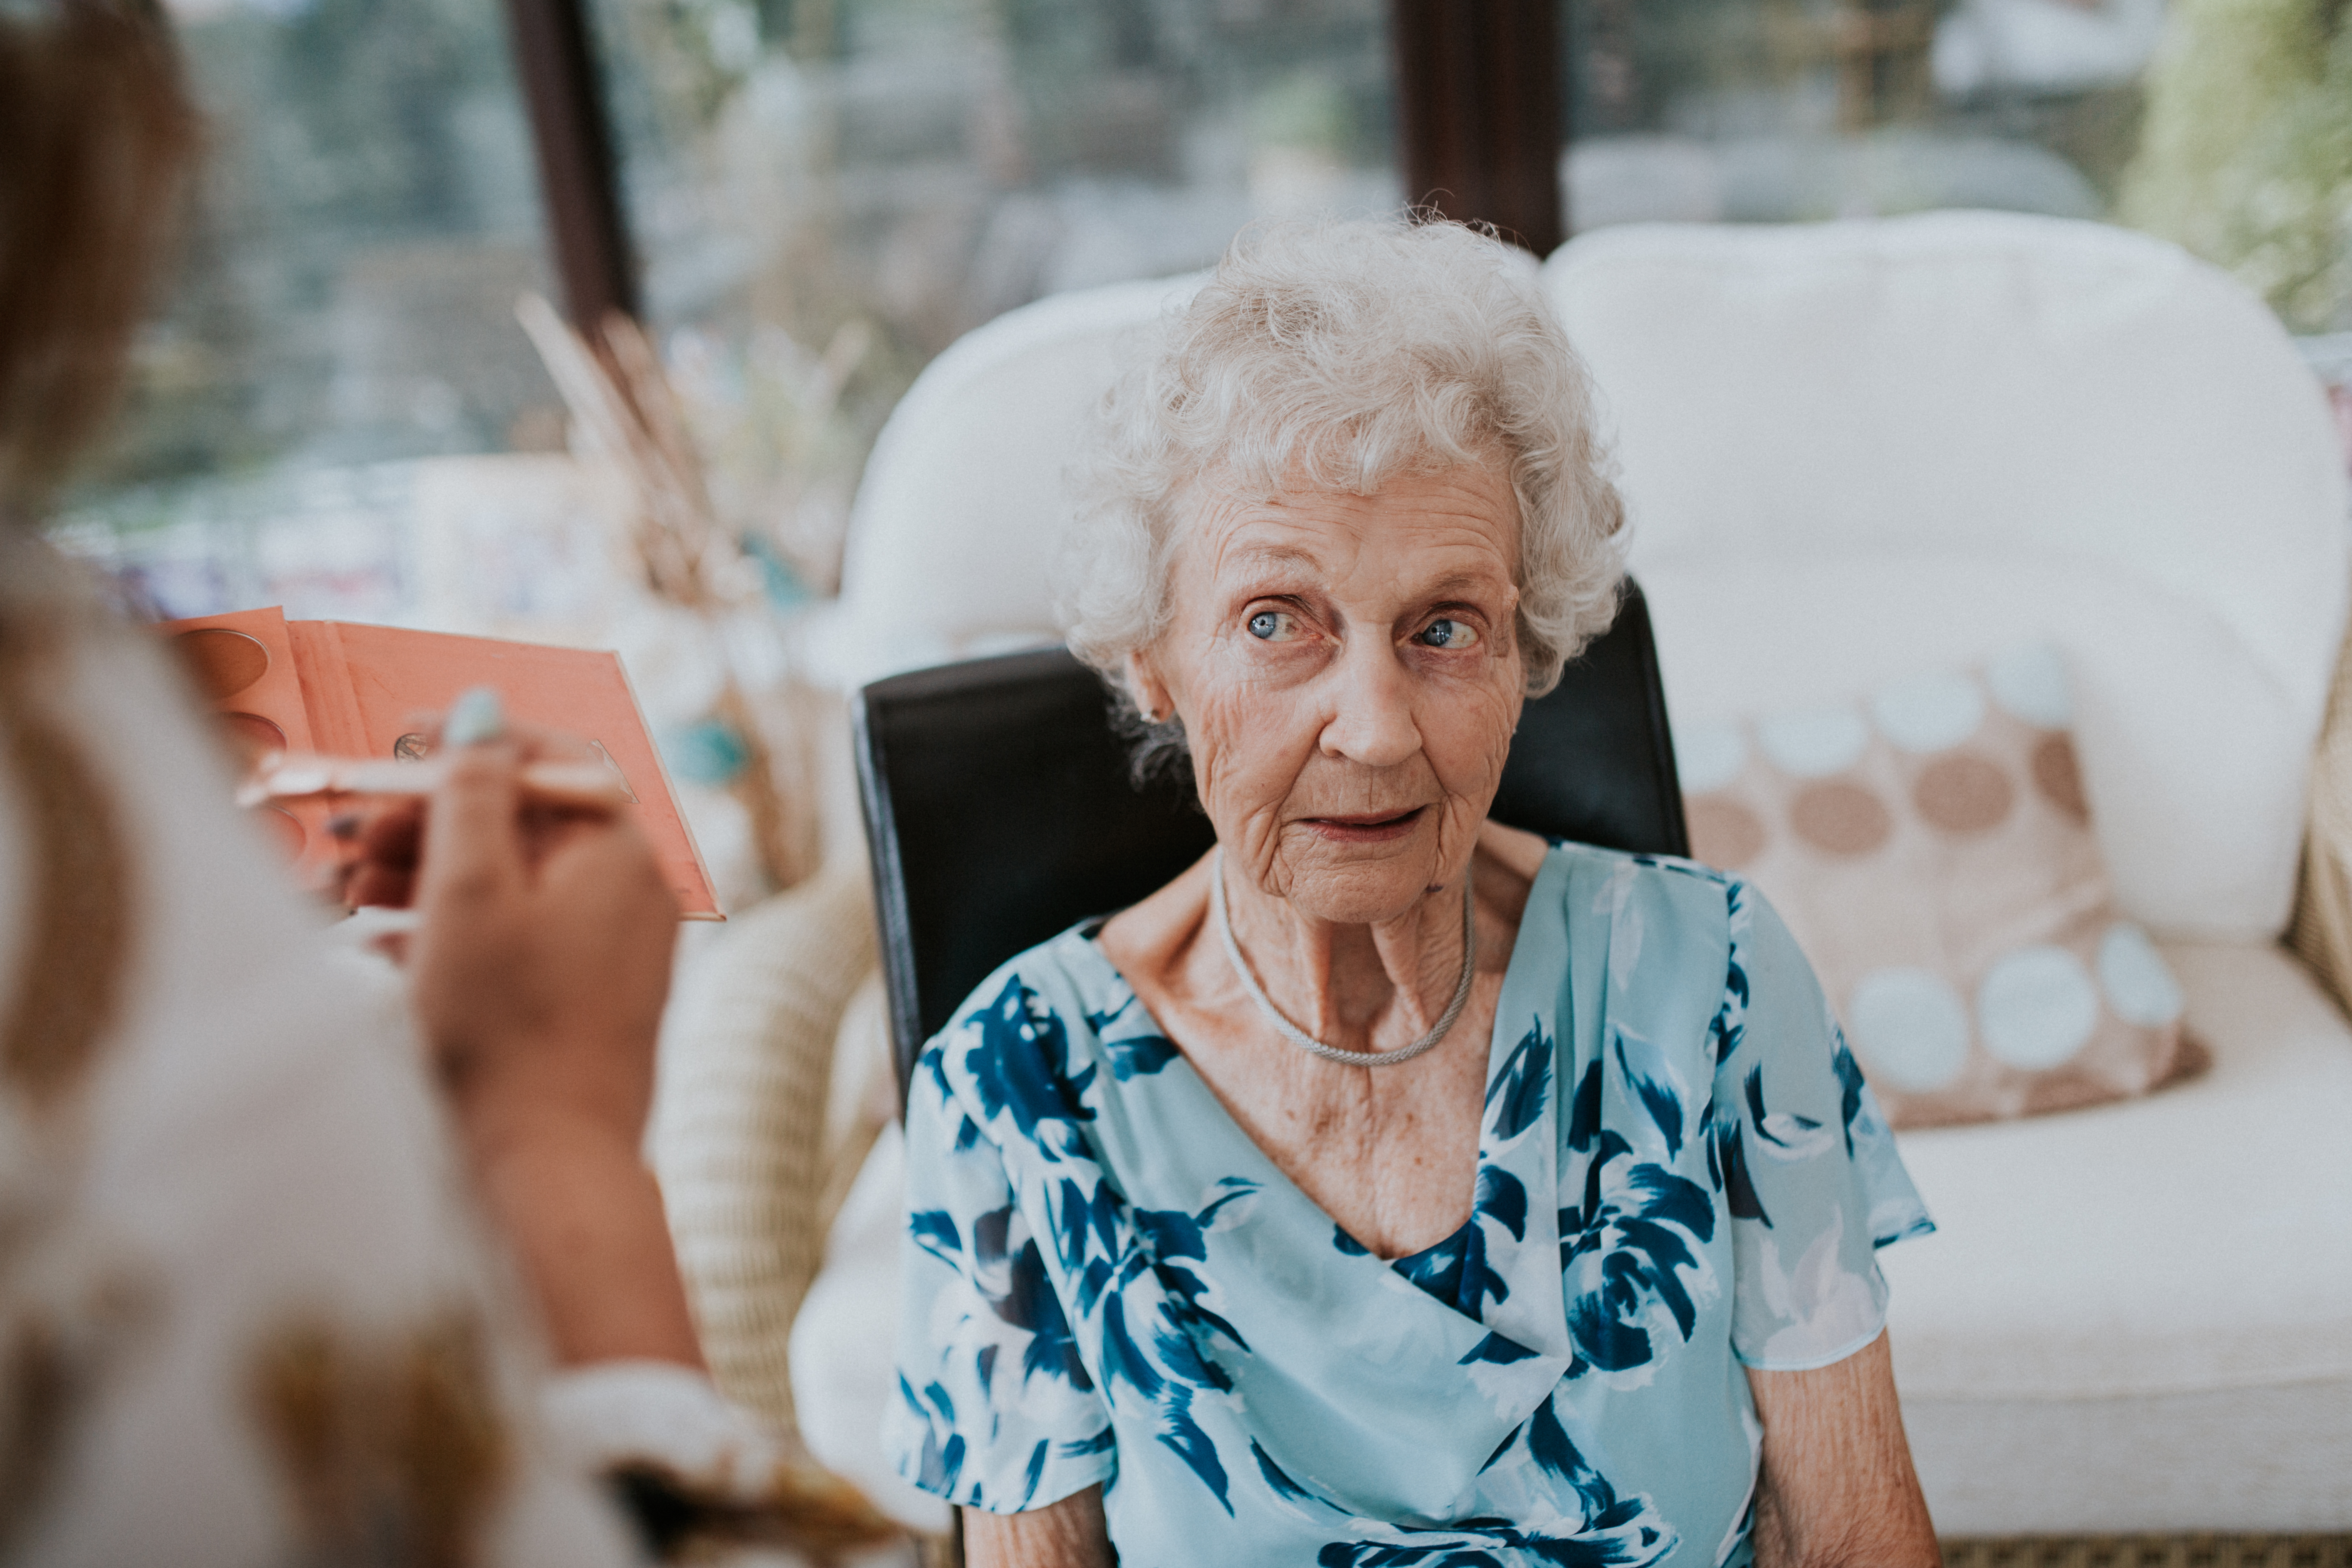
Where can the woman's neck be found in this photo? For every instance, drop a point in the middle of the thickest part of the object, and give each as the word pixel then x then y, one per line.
pixel 1338 980
pixel 1375 985
pixel 1352 985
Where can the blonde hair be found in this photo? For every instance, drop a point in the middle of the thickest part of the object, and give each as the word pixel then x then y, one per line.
pixel 99 132
pixel 1333 356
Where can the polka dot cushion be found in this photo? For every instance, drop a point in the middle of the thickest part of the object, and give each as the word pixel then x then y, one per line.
pixel 1931 848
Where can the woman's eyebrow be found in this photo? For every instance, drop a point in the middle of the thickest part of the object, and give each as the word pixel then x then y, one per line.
pixel 1260 557
pixel 1453 588
pixel 1458 591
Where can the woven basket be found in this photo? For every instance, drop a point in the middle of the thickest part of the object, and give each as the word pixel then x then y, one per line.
pixel 737 1134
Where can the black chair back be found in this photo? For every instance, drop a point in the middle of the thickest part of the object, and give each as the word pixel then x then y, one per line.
pixel 999 808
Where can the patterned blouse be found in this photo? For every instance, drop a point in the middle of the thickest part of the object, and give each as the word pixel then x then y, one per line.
pixel 1681 1176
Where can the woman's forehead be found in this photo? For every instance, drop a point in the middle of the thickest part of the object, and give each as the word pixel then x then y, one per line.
pixel 1452 524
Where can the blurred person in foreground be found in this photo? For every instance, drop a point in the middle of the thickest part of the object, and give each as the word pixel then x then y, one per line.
pixel 1392 1188
pixel 274 1225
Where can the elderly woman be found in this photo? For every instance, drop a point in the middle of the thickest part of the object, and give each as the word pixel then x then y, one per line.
pixel 1392 1187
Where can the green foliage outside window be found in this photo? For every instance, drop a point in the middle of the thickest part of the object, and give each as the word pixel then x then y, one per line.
pixel 2247 158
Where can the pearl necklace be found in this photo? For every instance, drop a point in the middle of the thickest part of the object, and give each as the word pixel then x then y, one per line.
pixel 1300 1038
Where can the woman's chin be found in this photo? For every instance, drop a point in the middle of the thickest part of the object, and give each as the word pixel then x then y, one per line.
pixel 1355 884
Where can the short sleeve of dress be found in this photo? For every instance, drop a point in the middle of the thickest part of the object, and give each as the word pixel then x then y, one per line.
pixel 1808 1165
pixel 995 1409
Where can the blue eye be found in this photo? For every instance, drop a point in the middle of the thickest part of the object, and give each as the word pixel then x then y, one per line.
pixel 1447 632
pixel 1272 626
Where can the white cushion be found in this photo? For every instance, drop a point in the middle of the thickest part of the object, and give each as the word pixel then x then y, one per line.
pixel 963 501
pixel 2261 1460
pixel 2008 387
pixel 2099 1276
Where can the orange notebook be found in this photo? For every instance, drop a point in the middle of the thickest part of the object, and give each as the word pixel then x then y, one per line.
pixel 349 690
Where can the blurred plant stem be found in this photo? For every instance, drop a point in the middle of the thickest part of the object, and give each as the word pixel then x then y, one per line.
pixel 625 414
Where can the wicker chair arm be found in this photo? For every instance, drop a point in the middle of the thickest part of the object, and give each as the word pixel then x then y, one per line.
pixel 737 1134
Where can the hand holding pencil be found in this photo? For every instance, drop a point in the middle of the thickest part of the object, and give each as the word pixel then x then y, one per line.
pixel 539 966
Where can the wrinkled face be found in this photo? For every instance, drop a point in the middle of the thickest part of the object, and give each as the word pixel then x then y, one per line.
pixel 1348 679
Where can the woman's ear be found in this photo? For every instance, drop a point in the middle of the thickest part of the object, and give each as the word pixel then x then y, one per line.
pixel 1150 692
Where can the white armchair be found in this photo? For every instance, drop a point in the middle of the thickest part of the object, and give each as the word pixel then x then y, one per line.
pixel 1858 451
pixel 1851 450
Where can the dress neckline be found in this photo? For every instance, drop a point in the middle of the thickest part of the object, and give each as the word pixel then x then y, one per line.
pixel 1440 1269
pixel 1125 1006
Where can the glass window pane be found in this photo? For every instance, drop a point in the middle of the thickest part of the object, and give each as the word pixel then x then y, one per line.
pixel 827 192
pixel 343 302
pixel 2226 127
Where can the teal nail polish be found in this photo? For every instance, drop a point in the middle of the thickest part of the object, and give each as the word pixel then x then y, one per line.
pixel 477 716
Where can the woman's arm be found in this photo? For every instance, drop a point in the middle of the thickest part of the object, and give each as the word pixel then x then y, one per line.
pixel 541 963
pixel 1065 1534
pixel 1837 1489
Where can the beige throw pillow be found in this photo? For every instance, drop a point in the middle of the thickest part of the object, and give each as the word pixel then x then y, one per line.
pixel 1930 845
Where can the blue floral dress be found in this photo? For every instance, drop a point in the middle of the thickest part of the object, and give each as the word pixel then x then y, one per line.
pixel 1680 1175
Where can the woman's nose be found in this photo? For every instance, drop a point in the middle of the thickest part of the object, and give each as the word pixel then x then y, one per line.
pixel 1371 718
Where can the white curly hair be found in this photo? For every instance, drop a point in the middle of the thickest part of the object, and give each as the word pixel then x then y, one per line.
pixel 1333 356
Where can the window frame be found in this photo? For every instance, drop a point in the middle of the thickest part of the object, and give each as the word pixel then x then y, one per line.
pixel 1479 128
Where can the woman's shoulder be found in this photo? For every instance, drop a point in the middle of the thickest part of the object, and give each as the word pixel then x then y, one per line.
pixel 1674 895
pixel 1659 935
pixel 1066 976
pixel 1040 991
pixel 1614 880
pixel 1035 1038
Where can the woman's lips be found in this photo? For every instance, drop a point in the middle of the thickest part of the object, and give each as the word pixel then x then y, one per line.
pixel 1370 828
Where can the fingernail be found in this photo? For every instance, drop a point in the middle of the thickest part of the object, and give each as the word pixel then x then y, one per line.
pixel 477 716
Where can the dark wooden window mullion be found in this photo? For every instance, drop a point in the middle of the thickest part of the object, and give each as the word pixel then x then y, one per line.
pixel 1480 112
pixel 555 56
